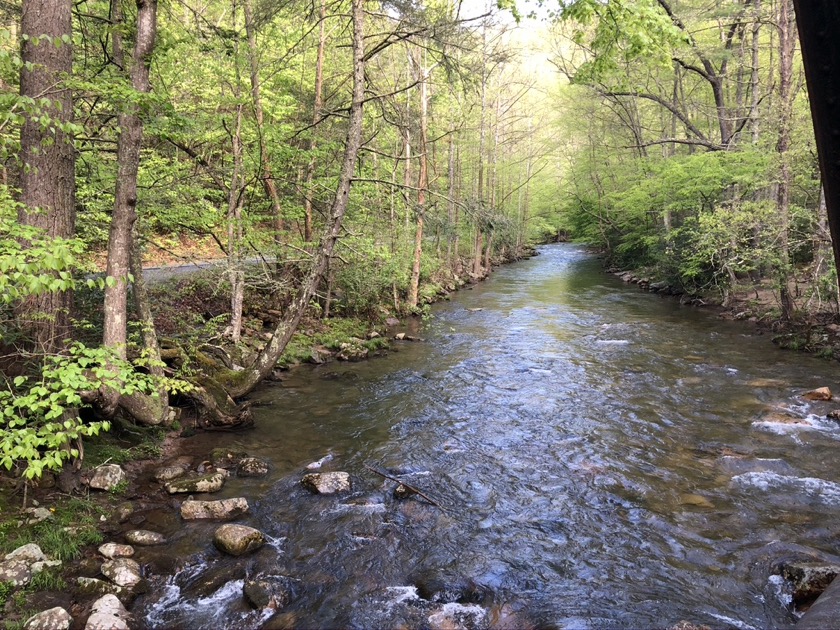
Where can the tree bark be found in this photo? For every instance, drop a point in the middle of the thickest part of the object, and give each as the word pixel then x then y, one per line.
pixel 47 181
pixel 246 381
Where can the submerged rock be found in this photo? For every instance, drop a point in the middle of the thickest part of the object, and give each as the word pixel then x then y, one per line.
pixel 226 457
pixel 821 393
pixel 252 467
pixel 53 619
pixel 169 473
pixel 222 510
pixel 144 537
pixel 267 592
pixel 809 579
pixel 326 483
pixel 237 540
pixel 403 492
pixel 212 482
pixel 107 477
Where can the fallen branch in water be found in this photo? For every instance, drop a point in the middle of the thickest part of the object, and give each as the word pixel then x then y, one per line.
pixel 410 487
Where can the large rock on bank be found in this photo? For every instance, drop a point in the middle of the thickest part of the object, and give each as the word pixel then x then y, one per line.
pixel 107 477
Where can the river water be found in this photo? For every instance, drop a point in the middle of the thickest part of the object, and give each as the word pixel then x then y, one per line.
pixel 603 457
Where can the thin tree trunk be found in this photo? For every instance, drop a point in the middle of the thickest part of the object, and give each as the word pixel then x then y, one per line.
pixel 754 72
pixel 316 115
pixel 787 43
pixel 47 180
pixel 450 200
pixel 145 409
pixel 266 176
pixel 125 197
pixel 234 226
pixel 267 359
pixel 414 284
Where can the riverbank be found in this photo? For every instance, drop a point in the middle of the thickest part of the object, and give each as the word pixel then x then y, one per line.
pixel 814 329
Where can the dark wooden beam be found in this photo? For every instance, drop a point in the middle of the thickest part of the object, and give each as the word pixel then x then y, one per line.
pixel 819 35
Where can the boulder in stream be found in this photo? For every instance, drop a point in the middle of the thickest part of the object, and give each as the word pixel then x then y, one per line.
pixel 94 587
pixel 107 613
pixel 144 537
pixel 225 509
pixel 107 477
pixel 53 619
pixel 237 540
pixel 809 579
pixel 211 482
pixel 252 467
pixel 326 483
pixel 821 393
pixel 122 572
pixel 114 550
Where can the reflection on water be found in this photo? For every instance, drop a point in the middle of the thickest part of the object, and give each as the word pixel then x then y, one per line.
pixel 604 458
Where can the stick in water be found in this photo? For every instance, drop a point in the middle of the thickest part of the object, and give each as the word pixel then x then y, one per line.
pixel 412 488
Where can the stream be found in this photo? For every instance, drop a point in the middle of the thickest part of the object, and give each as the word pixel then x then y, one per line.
pixel 603 457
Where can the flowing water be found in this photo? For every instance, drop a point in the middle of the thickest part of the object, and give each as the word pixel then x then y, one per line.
pixel 603 457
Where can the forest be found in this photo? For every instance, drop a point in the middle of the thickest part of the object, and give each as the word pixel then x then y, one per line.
pixel 355 161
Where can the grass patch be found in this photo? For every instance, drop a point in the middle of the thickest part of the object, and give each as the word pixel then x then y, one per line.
pixel 122 447
pixel 47 580
pixel 74 525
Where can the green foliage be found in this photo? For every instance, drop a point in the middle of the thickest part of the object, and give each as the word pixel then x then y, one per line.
pixel 623 31
pixel 6 589
pixel 40 419
pixel 30 262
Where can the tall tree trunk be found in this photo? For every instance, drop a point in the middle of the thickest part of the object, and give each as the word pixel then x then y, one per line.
pixel 755 99
pixel 234 228
pixel 787 44
pixel 47 180
pixel 316 115
pixel 423 184
pixel 265 164
pixel 450 200
pixel 125 196
pixel 267 359
pixel 147 410
pixel 479 236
